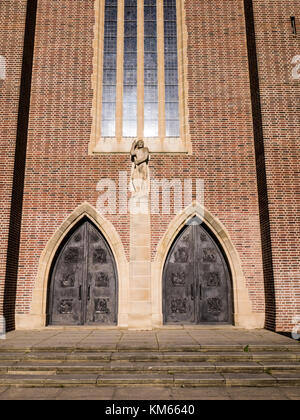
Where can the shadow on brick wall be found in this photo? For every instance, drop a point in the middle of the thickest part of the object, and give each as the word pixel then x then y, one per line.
pixel 270 303
pixel 11 274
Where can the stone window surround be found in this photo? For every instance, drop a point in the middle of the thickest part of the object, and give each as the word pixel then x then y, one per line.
pixel 160 144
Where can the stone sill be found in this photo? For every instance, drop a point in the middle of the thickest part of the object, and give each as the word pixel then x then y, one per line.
pixel 172 145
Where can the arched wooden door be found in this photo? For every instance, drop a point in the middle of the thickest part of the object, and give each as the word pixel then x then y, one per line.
pixel 196 281
pixel 83 282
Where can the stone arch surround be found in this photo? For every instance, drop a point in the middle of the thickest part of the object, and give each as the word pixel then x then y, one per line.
pixel 244 316
pixel 37 316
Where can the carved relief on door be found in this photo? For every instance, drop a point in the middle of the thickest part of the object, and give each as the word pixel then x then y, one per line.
pixel 83 283
pixel 196 280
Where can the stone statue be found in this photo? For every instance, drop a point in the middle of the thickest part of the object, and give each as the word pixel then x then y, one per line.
pixel 140 157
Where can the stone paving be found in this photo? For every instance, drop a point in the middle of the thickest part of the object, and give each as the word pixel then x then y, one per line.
pixel 150 393
pixel 147 340
pixel 179 339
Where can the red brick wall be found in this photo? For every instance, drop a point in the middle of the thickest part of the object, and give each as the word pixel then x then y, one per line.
pixel 280 96
pixel 60 175
pixel 12 23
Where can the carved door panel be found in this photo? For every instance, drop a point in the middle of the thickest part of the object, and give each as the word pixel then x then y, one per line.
pixel 66 293
pixel 83 281
pixel 101 286
pixel 179 282
pixel 213 280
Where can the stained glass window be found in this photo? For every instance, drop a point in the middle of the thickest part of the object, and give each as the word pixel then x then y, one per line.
pixel 150 70
pixel 171 69
pixel 109 70
pixel 130 69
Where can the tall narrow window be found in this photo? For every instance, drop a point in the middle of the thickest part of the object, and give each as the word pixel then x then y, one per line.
pixel 140 92
pixel 109 69
pixel 130 69
pixel 150 70
pixel 171 69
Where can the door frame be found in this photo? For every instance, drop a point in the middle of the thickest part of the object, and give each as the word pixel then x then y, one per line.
pixel 243 315
pixel 51 286
pixel 37 316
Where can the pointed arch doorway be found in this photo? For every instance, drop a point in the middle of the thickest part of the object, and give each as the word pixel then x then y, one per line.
pixel 83 280
pixel 197 285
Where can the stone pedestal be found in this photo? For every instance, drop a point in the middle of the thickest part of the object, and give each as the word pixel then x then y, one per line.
pixel 139 294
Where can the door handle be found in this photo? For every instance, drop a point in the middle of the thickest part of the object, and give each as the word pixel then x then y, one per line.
pixel 200 292
pixel 89 292
pixel 80 292
pixel 192 292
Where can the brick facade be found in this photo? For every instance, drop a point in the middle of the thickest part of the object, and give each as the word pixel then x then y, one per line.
pixel 280 95
pixel 60 175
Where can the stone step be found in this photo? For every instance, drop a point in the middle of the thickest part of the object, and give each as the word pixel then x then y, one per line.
pixel 254 348
pixel 88 367
pixel 47 380
pixel 177 379
pixel 160 348
pixel 204 357
pixel 139 356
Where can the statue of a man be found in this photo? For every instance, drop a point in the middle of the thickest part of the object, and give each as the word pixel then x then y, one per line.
pixel 140 157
